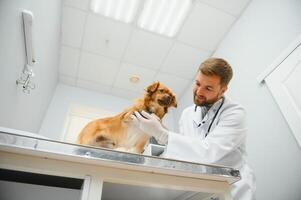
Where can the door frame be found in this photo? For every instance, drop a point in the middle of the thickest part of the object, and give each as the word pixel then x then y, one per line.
pixel 290 112
pixel 261 78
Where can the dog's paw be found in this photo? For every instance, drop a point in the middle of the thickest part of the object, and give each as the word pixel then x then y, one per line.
pixel 121 149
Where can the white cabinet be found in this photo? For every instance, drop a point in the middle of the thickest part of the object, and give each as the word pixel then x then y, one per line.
pixel 15 185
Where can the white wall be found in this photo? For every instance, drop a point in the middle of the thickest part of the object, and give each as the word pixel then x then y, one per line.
pixel 18 110
pixel 264 30
pixel 65 96
pixel 185 101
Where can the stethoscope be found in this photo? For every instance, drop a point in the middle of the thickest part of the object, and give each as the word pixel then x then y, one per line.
pixel 220 106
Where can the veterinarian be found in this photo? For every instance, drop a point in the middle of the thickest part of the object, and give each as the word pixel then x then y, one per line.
pixel 213 130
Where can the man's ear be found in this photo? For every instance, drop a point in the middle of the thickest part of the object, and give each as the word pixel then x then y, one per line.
pixel 153 87
pixel 224 89
pixel 174 101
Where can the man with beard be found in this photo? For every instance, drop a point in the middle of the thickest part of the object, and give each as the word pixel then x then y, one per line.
pixel 212 131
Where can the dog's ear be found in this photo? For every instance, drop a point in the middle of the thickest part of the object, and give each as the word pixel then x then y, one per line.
pixel 152 88
pixel 174 101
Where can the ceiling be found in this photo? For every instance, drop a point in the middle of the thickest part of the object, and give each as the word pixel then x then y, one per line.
pixel 101 54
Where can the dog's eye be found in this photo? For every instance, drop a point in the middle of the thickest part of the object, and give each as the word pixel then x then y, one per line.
pixel 161 90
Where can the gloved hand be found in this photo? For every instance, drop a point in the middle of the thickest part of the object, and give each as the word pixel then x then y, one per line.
pixel 150 124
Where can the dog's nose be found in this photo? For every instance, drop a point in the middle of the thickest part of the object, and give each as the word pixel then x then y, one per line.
pixel 167 99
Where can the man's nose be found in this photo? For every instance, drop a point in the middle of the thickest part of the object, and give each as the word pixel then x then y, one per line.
pixel 199 91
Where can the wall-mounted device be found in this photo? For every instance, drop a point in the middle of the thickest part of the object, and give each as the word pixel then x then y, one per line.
pixel 27 74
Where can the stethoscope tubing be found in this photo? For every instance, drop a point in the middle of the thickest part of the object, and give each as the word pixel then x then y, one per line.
pixel 215 115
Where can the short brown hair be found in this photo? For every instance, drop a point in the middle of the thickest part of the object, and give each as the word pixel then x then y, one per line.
pixel 218 67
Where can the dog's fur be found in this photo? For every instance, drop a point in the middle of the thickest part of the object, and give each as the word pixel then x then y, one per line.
pixel 118 132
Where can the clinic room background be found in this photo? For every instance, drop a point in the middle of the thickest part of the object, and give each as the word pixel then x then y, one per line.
pixel 84 70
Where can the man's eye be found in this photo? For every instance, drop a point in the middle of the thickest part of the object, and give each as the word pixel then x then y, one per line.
pixel 209 88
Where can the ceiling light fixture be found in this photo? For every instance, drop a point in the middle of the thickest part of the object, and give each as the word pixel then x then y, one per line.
pixel 164 17
pixel 134 79
pixel 122 10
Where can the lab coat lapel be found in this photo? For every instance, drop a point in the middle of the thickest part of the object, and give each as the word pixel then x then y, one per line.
pixel 197 116
pixel 213 110
pixel 211 113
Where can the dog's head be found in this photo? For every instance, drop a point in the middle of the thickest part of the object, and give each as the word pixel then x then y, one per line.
pixel 159 98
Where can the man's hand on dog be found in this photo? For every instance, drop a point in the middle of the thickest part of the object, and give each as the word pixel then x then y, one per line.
pixel 150 124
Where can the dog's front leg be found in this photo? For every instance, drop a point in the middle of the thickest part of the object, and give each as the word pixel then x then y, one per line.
pixel 122 149
pixel 129 150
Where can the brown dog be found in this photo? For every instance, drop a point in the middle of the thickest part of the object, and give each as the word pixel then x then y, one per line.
pixel 118 133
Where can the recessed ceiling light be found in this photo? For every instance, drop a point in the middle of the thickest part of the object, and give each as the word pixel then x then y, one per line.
pixel 134 79
pixel 122 10
pixel 160 16
pixel 164 17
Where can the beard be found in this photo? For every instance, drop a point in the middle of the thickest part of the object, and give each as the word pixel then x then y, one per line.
pixel 203 101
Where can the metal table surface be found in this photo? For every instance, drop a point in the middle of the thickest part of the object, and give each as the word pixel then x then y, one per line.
pixel 11 141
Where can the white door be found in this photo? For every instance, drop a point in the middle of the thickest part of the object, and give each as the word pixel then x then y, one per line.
pixel 285 85
pixel 77 118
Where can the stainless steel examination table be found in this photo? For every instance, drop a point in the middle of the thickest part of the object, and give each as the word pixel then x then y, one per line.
pixel 86 173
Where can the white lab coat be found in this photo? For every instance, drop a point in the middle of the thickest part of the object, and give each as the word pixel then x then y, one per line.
pixel 224 144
